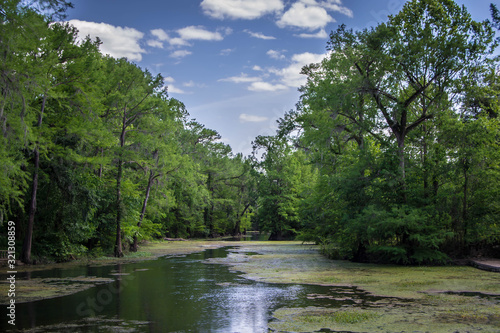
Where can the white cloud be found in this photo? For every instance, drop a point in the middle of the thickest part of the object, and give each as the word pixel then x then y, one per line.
pixel 336 5
pixel 180 53
pixel 306 16
pixel 278 79
pixel 172 89
pixel 243 78
pixel 118 42
pixel 199 33
pixel 155 43
pixel 178 42
pixel 320 34
pixel 248 118
pixel 240 9
pixel 290 76
pixel 266 86
pixel 276 54
pixel 160 34
pixel 184 35
pixel 259 35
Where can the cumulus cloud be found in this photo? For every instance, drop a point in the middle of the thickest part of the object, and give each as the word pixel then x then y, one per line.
pixel 155 43
pixel 248 118
pixel 180 54
pixel 173 89
pixel 278 79
pixel 116 41
pixel 160 34
pixel 259 35
pixel 187 34
pixel 278 55
pixel 336 6
pixel 240 9
pixel 170 87
pixel 199 33
pixel 305 16
pixel 290 75
pixel 266 86
pixel 320 34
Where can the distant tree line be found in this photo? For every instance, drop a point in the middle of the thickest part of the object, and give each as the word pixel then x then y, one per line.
pixel 392 154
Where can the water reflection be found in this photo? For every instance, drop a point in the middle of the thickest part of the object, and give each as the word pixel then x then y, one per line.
pixel 169 295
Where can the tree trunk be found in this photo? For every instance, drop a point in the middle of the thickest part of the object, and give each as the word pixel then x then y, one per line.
pixel 28 239
pixel 401 153
pixel 26 252
pixel 236 230
pixel 118 244
pixel 465 203
pixel 133 246
pixel 425 163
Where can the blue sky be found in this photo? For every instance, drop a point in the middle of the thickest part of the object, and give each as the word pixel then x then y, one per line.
pixel 235 64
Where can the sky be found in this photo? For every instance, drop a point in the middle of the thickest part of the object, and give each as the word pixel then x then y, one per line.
pixel 235 64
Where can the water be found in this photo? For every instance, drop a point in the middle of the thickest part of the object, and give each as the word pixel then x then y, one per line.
pixel 176 294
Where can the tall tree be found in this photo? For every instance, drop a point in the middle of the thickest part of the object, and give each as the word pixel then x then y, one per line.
pixel 158 140
pixel 409 66
pixel 128 95
pixel 58 62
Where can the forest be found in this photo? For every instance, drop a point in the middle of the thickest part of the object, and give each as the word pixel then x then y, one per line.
pixel 391 154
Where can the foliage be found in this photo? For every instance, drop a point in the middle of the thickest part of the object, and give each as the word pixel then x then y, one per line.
pixel 94 152
pixel 401 123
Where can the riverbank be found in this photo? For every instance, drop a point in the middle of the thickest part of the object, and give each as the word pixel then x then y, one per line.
pixel 417 299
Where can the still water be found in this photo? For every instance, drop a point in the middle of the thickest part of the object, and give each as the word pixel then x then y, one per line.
pixel 171 294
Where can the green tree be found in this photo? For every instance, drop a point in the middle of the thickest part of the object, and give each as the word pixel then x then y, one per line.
pixel 128 94
pixel 159 142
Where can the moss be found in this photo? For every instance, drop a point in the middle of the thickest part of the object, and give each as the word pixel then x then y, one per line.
pixel 419 300
pixel 37 289
pixel 414 318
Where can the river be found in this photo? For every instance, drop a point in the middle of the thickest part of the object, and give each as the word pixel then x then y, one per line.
pixel 171 294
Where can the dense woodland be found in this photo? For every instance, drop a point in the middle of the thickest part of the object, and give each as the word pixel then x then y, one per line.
pixel 391 155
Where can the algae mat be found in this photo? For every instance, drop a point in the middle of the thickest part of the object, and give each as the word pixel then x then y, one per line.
pixel 426 299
